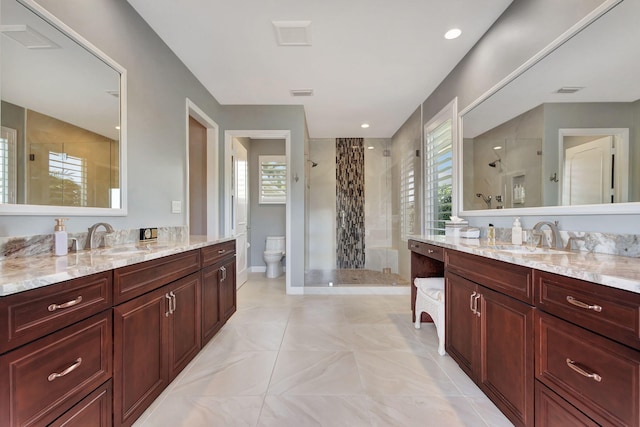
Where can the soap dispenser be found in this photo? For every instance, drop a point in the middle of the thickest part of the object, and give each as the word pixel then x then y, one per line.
pixel 60 237
pixel 516 232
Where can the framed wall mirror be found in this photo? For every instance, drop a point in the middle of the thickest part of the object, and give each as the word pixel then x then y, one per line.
pixel 563 136
pixel 62 149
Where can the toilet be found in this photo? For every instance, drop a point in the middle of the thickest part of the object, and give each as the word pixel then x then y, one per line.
pixel 274 251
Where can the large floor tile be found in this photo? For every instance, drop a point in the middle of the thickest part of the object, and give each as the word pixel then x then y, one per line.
pixel 320 337
pixel 206 411
pixel 315 373
pixel 398 373
pixel 228 374
pixel 408 411
pixel 250 336
pixel 315 411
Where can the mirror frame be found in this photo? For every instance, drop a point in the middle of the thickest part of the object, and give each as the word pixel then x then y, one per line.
pixel 618 208
pixel 46 210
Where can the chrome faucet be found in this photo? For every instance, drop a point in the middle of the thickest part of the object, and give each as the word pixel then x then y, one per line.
pixel 92 231
pixel 556 240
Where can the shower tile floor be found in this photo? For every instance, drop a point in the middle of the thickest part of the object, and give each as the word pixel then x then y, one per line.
pixel 353 277
pixel 321 360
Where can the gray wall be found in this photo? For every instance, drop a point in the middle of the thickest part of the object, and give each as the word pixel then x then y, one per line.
pixel 158 85
pixel 524 29
pixel 265 220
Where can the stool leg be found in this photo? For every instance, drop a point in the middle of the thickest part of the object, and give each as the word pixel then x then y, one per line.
pixel 440 332
pixel 418 317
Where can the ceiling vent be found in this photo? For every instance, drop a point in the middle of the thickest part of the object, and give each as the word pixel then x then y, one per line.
pixel 569 89
pixel 293 33
pixel 28 37
pixel 301 92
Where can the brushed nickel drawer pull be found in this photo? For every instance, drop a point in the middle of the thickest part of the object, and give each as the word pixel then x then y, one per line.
pixel 477 297
pixel 572 365
pixel 473 310
pixel 70 369
pixel 167 313
pixel 571 300
pixel 430 251
pixel 54 307
pixel 221 251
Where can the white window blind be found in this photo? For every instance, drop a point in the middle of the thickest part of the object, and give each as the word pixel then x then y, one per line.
pixel 273 179
pixel 407 194
pixel 68 179
pixel 438 175
pixel 8 171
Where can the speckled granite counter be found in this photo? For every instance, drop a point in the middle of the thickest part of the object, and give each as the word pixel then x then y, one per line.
pixel 22 274
pixel 609 270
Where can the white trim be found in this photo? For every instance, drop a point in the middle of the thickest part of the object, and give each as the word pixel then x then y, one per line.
pixel 213 211
pixel 615 209
pixel 357 290
pixel 262 134
pixel 43 210
pixel 450 111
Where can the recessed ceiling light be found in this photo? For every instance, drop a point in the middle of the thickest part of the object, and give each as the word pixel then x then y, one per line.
pixel 371 147
pixel 118 127
pixel 364 125
pixel 498 147
pixel 453 33
pixel 301 92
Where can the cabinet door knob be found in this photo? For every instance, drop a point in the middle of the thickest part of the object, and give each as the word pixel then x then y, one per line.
pixel 54 307
pixel 571 300
pixel 430 251
pixel 572 364
pixel 70 369
pixel 221 251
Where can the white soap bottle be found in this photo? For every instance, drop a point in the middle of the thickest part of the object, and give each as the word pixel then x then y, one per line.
pixel 516 232
pixel 60 237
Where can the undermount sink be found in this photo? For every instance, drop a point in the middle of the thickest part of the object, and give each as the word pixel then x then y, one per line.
pixel 523 249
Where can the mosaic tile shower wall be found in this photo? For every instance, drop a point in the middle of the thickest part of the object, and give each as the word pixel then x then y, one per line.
pixel 350 202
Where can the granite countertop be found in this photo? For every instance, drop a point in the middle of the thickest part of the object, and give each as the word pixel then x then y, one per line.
pixel 610 270
pixel 22 274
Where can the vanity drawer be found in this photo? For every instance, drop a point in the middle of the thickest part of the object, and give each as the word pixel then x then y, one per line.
pixel 215 253
pixel 611 312
pixel 427 250
pixel 510 279
pixel 598 376
pixel 137 279
pixel 93 410
pixel 552 410
pixel 29 315
pixel 44 379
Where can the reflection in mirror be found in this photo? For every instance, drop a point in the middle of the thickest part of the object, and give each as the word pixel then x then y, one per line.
pixel 565 132
pixel 60 116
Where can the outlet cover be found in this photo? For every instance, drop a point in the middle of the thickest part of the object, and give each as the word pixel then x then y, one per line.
pixel 176 206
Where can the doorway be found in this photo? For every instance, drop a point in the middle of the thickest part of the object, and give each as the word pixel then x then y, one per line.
pixel 240 208
pixel 202 172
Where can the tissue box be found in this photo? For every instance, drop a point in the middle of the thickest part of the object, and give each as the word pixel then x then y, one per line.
pixel 452 229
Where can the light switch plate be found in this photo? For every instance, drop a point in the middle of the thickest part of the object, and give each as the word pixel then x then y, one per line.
pixel 176 206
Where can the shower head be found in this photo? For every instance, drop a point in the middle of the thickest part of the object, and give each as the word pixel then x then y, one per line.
pixel 495 162
pixel 313 164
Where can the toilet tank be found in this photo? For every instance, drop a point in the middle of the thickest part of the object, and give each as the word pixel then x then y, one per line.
pixel 275 243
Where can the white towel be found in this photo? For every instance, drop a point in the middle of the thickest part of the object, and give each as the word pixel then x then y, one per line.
pixel 433 287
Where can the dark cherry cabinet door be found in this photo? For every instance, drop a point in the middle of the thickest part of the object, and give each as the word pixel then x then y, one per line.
pixel 140 356
pixel 184 323
pixel 228 289
pixel 461 332
pixel 211 316
pixel 506 371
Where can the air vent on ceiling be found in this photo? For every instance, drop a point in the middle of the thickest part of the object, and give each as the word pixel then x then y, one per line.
pixel 28 37
pixel 569 89
pixel 293 33
pixel 301 92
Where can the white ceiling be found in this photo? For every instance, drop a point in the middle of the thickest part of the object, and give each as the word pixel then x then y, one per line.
pixel 370 61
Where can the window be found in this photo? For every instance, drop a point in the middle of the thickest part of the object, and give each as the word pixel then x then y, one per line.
pixel 8 170
pixel 440 133
pixel 407 193
pixel 273 179
pixel 67 180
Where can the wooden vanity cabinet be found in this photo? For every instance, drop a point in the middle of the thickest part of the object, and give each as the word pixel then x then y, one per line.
pixel 93 410
pixel 218 287
pixel 490 335
pixel 426 261
pixel 587 350
pixel 155 336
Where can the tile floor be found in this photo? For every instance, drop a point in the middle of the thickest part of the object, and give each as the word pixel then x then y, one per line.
pixel 321 360
pixel 353 277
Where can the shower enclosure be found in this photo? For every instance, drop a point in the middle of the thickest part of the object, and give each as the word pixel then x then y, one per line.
pixel 350 224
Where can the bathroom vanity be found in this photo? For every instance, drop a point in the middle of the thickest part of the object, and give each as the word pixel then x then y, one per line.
pixel 552 338
pixel 98 349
